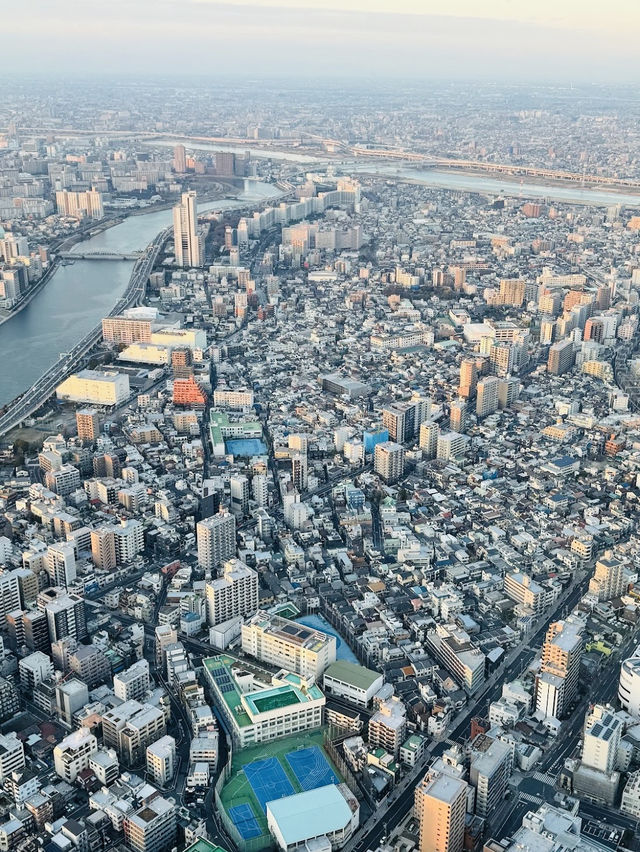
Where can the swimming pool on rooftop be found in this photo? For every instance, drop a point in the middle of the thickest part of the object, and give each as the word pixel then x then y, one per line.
pixel 245 447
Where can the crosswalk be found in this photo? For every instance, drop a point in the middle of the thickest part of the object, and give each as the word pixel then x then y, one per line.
pixel 545 778
pixel 528 797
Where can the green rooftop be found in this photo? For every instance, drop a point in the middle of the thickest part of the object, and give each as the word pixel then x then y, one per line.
pixel 202 845
pixel 352 673
pixel 221 427
pixel 261 700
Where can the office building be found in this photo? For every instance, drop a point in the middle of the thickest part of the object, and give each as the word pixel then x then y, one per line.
pixel 216 540
pixel 609 579
pixel 94 386
pixel 161 760
pixel 152 828
pixel 557 682
pixel 388 461
pixel 71 755
pixel 487 396
pixel 561 357
pixel 188 246
pixel 234 593
pixel 88 424
pixel 440 806
pixel 288 645
pixel 134 682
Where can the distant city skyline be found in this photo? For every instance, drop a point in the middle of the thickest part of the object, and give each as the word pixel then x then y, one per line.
pixel 497 39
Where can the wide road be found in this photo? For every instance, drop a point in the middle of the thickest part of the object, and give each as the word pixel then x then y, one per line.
pixel 400 801
pixel 39 393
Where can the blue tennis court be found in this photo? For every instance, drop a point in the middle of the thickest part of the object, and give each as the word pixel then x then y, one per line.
pixel 245 821
pixel 311 768
pixel 268 780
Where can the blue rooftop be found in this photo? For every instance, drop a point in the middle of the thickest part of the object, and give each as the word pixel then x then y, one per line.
pixel 310 814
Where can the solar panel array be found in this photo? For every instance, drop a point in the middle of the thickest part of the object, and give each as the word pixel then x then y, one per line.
pixel 221 677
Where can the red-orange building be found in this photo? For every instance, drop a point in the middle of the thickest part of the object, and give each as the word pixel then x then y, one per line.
pixel 188 392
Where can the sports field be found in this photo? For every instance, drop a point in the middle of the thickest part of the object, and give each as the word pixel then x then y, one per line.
pixel 271 771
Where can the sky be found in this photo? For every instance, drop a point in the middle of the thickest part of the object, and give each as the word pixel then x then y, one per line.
pixel 540 40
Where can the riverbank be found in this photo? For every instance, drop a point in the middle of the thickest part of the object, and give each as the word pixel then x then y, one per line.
pixel 77 295
pixel 91 231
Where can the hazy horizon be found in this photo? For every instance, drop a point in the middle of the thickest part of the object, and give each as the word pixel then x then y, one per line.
pixel 460 40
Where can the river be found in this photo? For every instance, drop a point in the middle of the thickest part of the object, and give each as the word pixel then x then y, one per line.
pixel 81 293
pixel 437 178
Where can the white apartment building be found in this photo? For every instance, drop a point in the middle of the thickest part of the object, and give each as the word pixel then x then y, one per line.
pixel 388 726
pixel 71 755
pixel 34 669
pixel 288 645
pixel 388 461
pixel 216 540
pixel 233 398
pixel 450 445
pixel 130 728
pixel 132 683
pixel 602 735
pixel 9 594
pixel 11 755
pixel 235 593
pixel 161 760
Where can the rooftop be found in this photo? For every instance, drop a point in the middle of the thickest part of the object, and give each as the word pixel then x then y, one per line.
pixel 351 673
pixel 310 814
